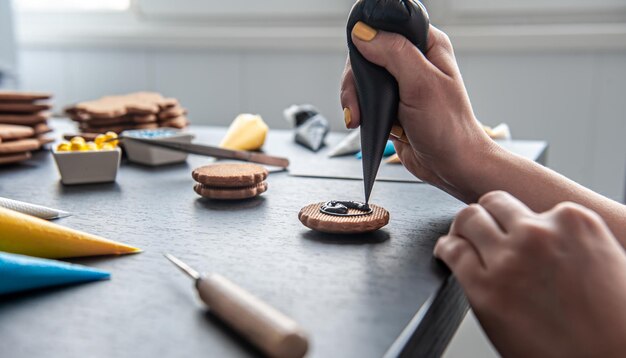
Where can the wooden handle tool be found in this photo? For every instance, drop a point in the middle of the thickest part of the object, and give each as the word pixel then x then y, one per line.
pixel 269 330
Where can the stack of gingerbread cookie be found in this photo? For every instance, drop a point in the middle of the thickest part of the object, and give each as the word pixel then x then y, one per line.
pixel 140 110
pixel 27 109
pixel 230 181
pixel 16 143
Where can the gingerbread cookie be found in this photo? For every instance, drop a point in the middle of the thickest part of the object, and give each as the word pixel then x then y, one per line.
pixel 140 110
pixel 14 158
pixel 14 107
pixel 100 122
pixel 230 181
pixel 172 112
pixel 338 217
pixel 42 128
pixel 43 140
pixel 19 146
pixel 178 122
pixel 230 193
pixel 144 119
pixel 13 132
pixel 14 96
pixel 168 103
pixel 26 120
pixel 117 128
pixel 230 175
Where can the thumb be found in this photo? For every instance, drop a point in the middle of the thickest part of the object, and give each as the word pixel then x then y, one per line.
pixel 393 52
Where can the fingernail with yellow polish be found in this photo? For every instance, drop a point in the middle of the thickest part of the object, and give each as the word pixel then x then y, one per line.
pixel 364 32
pixel 347 116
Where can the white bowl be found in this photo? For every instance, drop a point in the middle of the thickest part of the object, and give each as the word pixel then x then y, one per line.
pixel 154 156
pixel 88 167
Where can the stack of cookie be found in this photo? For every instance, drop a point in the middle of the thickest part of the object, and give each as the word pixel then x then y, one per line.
pixel 16 143
pixel 141 110
pixel 230 181
pixel 27 109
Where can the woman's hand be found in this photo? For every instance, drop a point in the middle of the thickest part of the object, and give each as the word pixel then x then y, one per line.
pixel 542 285
pixel 441 135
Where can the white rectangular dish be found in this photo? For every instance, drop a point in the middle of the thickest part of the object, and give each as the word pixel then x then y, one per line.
pixel 86 167
pixel 154 156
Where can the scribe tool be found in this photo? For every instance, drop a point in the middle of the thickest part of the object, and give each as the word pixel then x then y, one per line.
pixel 39 211
pixel 269 330
pixel 215 152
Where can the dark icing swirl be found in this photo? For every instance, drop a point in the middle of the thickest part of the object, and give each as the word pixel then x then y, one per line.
pixel 341 208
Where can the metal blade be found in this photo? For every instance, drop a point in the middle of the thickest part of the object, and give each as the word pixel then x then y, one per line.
pixel 215 152
pixel 183 267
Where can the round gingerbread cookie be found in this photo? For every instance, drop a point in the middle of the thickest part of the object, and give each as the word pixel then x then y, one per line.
pixel 230 175
pixel 42 128
pixel 26 120
pixel 19 146
pixel 43 140
pixel 231 193
pixel 15 96
pixel 14 158
pixel 23 107
pixel 177 122
pixel 314 219
pixel 12 132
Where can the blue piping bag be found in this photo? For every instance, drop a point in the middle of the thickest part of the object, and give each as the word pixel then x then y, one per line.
pixel 21 273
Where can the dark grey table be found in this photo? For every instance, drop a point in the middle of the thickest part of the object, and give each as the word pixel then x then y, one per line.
pixel 357 296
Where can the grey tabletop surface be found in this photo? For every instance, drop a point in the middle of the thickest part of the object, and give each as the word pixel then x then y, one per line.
pixel 354 295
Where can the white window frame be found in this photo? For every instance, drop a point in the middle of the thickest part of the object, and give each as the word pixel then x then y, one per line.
pixel 541 25
pixel 474 27
pixel 148 28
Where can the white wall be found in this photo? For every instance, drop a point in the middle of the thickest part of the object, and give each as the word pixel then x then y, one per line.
pixel 576 101
pixel 7 45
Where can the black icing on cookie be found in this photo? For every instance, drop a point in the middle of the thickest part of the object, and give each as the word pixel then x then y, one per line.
pixel 341 208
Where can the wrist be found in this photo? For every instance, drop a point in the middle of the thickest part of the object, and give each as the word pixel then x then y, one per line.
pixel 475 162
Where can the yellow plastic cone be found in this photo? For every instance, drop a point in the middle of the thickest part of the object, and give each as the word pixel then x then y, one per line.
pixel 28 235
pixel 247 132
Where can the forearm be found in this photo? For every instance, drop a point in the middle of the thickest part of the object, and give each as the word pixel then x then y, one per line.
pixel 537 186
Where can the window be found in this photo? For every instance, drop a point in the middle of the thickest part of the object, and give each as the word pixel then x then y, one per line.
pixel 72 5
pixel 245 8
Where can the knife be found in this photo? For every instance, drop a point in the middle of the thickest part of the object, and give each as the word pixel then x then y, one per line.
pixel 212 151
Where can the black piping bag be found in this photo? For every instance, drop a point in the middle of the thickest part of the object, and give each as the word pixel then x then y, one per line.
pixel 377 89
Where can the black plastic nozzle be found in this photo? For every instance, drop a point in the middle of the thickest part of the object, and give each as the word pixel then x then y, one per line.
pixel 377 89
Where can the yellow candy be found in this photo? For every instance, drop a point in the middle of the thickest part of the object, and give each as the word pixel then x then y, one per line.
pixel 77 146
pixel 111 135
pixel 107 146
pixel 91 146
pixel 64 146
pixel 100 139
pixel 80 140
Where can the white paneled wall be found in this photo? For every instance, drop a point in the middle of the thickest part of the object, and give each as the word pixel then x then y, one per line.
pixel 214 86
pixel 576 101
pixel 208 84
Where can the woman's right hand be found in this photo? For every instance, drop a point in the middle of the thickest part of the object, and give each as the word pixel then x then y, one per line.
pixel 549 284
pixel 439 138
